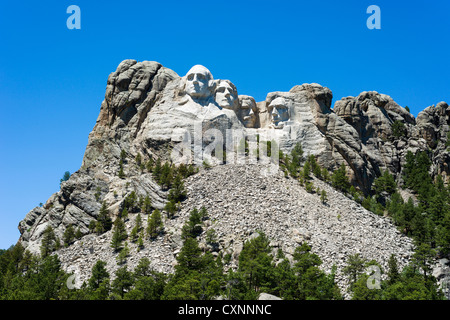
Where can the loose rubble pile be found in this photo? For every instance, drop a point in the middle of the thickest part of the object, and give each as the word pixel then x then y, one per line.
pixel 240 201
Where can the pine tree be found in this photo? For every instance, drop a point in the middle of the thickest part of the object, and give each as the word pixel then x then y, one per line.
pixel 339 179
pixel 165 178
pixel 123 155
pixel 138 159
pixel 134 234
pixel 123 281
pixel 193 227
pixel 384 183
pixel 177 193
pixel 124 214
pixel 147 205
pixel 323 196
pixel 170 208
pixel 119 234
pixel 149 165
pixel 255 262
pixel 393 272
pixel 121 173
pixel 123 254
pixel 140 242
pixel 98 275
pixel 69 235
pixel 398 129
pixel 65 177
pixel 190 256
pixel 354 268
pixel 155 224
pixel 78 234
pixel 157 170
pixel 104 221
pixel 138 222
pixel 307 170
pixel 48 242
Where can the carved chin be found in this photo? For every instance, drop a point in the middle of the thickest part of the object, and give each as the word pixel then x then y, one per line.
pixel 226 104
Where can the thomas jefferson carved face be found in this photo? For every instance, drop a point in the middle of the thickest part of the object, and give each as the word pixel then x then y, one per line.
pixel 226 95
pixel 279 111
pixel 199 82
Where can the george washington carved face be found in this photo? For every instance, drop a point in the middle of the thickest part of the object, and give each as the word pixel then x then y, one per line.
pixel 199 82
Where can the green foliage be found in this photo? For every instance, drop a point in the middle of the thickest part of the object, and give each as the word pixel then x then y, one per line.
pixel 323 197
pixel 123 282
pixel 119 234
pixel 170 208
pixel 354 269
pixel 309 186
pixel 65 177
pixel 312 283
pixel 48 242
pixel 177 193
pixel 99 275
pixel 123 155
pixel 200 276
pixel 123 254
pixel 306 172
pixel 130 202
pixel 121 173
pixel 398 129
pixel 256 262
pixel 370 203
pixel 98 193
pixel 147 205
pixel 138 159
pixel 166 176
pixel 69 235
pixel 104 221
pixel 155 224
pixel 384 183
pixel 193 226
pixel 339 179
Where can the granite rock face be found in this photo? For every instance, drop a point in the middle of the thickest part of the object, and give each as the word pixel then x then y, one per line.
pixel 152 111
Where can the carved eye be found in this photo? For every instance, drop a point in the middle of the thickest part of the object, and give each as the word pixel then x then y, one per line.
pixel 190 77
pixel 200 76
pixel 221 90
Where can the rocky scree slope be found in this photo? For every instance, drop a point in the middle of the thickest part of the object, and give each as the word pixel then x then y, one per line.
pixel 240 202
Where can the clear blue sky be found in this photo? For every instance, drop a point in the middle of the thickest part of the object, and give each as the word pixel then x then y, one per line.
pixel 53 80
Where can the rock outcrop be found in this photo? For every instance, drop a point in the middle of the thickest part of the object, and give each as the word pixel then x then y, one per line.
pixel 151 111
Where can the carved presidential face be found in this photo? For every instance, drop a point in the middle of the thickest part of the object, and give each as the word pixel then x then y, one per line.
pixel 247 111
pixel 226 95
pixel 199 82
pixel 279 111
